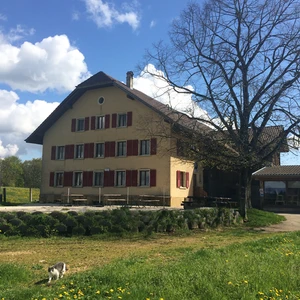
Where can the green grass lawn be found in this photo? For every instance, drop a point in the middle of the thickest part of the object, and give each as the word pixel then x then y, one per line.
pixel 224 264
pixel 16 195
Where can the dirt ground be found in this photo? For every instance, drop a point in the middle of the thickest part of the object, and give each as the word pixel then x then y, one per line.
pixel 292 222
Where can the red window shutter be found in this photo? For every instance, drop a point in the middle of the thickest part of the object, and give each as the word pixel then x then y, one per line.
pixel 135 147
pixel 106 178
pixel 84 179
pixel 73 125
pixel 129 118
pixel 106 150
pixel 112 149
pixel 53 152
pixel 128 177
pixel 51 181
pixel 152 177
pixel 87 178
pixel 134 176
pixel 114 121
pixel 69 152
pixel 109 178
pixel 153 146
pixel 93 123
pixel 92 147
pixel 68 178
pixel 129 147
pixel 187 179
pixel 178 179
pixel 86 123
pixel 107 121
pixel 86 151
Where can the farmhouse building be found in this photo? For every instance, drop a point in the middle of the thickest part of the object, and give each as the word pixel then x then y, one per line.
pixel 104 139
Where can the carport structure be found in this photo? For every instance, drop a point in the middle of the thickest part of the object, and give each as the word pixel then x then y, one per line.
pixel 279 185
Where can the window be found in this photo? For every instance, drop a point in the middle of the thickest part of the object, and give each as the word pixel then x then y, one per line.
pixel 59 179
pixel 100 122
pixel 80 125
pixel 122 120
pixel 144 147
pixel 98 178
pixel 77 179
pixel 182 179
pixel 99 150
pixel 79 151
pixel 121 148
pixel 60 152
pixel 144 178
pixel 120 178
pixel 101 100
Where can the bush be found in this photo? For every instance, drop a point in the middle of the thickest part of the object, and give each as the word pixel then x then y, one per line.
pixel 119 221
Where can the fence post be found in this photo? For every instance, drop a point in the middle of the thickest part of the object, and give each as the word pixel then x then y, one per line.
pixel 4 194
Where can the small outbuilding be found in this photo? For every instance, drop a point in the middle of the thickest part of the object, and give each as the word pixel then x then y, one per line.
pixel 279 185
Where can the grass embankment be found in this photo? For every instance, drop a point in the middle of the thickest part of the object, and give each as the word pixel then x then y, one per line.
pixel 227 264
pixel 17 195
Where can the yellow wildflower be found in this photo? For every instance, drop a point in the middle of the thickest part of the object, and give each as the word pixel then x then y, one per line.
pixel 98 292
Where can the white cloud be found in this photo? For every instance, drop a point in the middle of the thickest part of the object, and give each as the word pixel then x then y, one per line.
pixel 3 17
pixel 18 120
pixel 75 16
pixel 157 88
pixel 50 64
pixel 106 15
pixel 8 150
pixel 152 24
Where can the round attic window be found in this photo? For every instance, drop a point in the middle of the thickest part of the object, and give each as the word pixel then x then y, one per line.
pixel 101 100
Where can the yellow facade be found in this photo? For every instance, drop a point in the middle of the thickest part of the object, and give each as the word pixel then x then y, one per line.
pixel 145 123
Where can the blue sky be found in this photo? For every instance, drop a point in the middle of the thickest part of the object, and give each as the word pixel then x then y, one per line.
pixel 48 47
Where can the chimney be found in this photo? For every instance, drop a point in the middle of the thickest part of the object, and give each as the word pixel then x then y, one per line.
pixel 129 79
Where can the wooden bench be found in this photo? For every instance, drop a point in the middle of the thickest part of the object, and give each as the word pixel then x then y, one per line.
pixel 109 199
pixel 79 201
pixel 69 199
pixel 150 200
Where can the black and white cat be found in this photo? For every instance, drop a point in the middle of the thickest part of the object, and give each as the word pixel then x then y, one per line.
pixel 57 271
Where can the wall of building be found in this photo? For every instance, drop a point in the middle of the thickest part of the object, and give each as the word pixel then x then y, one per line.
pixel 116 101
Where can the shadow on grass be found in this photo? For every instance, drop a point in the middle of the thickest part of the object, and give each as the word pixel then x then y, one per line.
pixel 43 281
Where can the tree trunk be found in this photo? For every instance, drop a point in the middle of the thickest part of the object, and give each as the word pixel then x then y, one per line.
pixel 245 195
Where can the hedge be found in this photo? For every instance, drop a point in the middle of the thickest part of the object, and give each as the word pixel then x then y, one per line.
pixel 117 221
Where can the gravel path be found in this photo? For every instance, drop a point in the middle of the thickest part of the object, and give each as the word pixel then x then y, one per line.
pixel 292 223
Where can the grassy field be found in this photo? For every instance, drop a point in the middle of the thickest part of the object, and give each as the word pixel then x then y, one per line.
pixel 16 195
pixel 238 263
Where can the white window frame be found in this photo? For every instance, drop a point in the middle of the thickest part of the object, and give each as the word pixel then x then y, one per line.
pixel 100 122
pixel 120 178
pixel 97 173
pixel 97 152
pixel 145 147
pixel 79 151
pixel 59 179
pixel 77 178
pixel 80 124
pixel 121 148
pixel 144 178
pixel 60 152
pixel 122 120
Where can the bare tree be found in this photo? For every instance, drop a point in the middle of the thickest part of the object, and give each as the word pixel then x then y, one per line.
pixel 239 59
